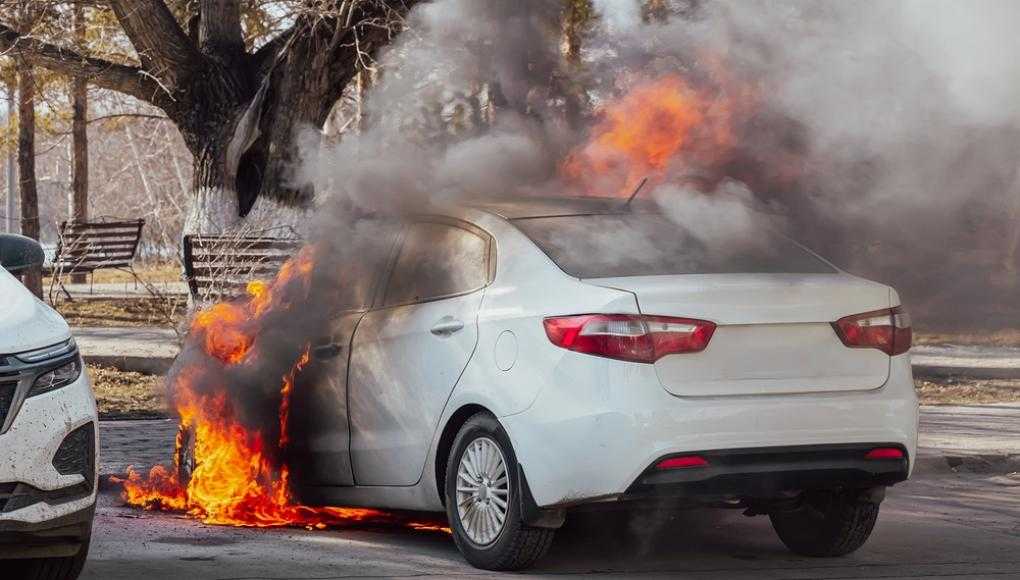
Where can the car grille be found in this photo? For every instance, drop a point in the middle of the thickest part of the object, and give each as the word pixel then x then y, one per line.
pixel 6 489
pixel 77 453
pixel 8 388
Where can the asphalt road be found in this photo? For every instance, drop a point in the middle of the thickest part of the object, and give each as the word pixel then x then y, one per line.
pixel 944 523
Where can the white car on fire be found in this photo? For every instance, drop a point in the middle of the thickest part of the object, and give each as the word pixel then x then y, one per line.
pixel 48 445
pixel 509 362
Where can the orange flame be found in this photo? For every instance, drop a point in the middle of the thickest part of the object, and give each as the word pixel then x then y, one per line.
pixel 235 481
pixel 653 128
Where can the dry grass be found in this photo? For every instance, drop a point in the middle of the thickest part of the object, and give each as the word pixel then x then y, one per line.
pixel 123 312
pixel 961 391
pixel 126 395
pixel 151 272
pixel 1005 337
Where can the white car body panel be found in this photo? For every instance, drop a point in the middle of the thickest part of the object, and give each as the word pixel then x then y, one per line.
pixel 773 335
pixel 583 427
pixel 44 420
pixel 28 448
pixel 25 322
pixel 400 379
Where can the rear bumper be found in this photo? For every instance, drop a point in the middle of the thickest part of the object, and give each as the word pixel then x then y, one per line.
pixel 589 440
pixel 771 472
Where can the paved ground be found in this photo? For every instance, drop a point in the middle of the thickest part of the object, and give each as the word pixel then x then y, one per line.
pixel 142 349
pixel 962 523
pixel 972 361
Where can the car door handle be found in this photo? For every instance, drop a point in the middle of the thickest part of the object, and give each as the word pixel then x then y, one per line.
pixel 327 351
pixel 446 326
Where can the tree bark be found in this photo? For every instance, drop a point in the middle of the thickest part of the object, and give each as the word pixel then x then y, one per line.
pixel 26 167
pixel 79 135
pixel 240 113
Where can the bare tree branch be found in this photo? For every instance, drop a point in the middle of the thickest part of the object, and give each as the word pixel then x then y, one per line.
pixel 117 77
pixel 162 46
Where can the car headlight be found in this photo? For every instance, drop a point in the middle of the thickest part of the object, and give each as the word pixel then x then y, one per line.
pixel 50 352
pixel 59 377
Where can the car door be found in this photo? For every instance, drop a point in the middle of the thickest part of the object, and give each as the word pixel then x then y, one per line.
pixel 319 450
pixel 409 353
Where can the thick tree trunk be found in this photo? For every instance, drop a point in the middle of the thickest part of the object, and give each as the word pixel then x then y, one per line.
pixel 26 167
pixel 79 136
pixel 214 208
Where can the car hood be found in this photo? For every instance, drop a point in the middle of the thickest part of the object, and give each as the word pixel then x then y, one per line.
pixel 26 322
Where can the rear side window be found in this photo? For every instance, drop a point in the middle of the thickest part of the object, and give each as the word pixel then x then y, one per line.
pixel 644 244
pixel 437 260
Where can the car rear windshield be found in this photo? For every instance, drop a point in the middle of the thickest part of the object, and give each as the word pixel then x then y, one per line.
pixel 606 246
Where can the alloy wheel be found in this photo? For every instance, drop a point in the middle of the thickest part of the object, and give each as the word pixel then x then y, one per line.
pixel 483 491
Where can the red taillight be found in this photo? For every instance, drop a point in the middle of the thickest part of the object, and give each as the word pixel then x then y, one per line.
pixel 629 337
pixel 885 453
pixel 887 330
pixel 682 462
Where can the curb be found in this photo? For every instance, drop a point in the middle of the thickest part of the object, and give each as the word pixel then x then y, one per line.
pixel 943 372
pixel 948 461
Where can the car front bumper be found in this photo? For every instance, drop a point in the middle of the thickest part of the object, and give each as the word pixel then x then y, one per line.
pixel 49 466
pixel 589 441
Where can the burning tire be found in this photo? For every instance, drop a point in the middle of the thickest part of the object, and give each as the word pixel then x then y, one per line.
pixel 827 524
pixel 482 500
pixel 185 458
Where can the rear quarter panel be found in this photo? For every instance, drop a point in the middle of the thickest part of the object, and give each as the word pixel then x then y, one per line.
pixel 514 358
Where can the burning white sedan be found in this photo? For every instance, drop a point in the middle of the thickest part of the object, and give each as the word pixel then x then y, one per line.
pixel 508 362
pixel 517 360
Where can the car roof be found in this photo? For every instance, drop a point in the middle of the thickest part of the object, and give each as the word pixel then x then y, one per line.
pixel 534 207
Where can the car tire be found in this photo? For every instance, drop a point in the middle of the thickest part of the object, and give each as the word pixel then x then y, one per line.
pixel 827 524
pixel 474 514
pixel 185 455
pixel 68 568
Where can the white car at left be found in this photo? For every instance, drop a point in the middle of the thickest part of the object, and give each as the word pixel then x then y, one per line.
pixel 48 439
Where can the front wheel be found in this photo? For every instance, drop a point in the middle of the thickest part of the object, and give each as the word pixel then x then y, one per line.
pixel 827 523
pixel 68 568
pixel 185 455
pixel 483 502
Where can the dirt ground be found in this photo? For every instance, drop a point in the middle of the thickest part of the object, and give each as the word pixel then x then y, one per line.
pixel 155 272
pixel 161 312
pixel 127 395
pixel 961 391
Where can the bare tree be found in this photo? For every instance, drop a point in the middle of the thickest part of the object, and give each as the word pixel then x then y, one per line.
pixel 79 207
pixel 238 109
pixel 26 158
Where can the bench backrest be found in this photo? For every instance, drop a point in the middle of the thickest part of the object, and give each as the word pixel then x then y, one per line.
pixel 89 246
pixel 219 267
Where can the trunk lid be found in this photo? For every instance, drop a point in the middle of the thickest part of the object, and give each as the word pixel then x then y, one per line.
pixel 773 335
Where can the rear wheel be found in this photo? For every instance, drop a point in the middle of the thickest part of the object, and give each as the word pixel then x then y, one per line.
pixel 827 523
pixel 68 568
pixel 483 500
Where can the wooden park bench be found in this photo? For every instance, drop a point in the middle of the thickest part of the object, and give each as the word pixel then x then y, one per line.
pixel 84 247
pixel 220 267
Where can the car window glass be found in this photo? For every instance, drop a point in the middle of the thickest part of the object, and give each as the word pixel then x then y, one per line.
pixel 437 260
pixel 597 246
pixel 359 261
